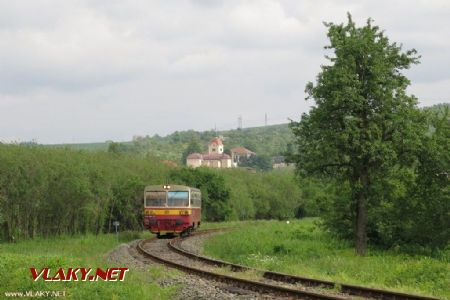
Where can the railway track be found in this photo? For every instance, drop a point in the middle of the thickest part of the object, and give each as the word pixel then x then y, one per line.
pixel 171 253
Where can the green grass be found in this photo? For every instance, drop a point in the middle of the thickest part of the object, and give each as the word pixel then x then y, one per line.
pixel 79 251
pixel 301 248
pixel 229 224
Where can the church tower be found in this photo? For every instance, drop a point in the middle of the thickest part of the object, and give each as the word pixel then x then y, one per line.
pixel 215 146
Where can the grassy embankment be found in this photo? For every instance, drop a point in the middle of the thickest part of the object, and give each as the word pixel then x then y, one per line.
pixel 304 249
pixel 79 251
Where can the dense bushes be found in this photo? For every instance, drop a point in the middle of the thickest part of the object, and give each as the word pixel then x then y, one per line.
pixel 51 191
pixel 45 191
pixel 237 194
pixel 263 195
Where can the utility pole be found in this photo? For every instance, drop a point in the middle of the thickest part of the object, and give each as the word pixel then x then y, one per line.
pixel 265 120
pixel 240 122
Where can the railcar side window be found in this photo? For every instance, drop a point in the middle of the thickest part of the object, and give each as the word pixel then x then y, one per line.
pixel 155 199
pixel 196 199
pixel 178 199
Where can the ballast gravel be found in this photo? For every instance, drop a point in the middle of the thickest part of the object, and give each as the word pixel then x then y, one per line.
pixel 191 287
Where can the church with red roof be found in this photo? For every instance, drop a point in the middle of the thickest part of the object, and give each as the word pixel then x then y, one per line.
pixel 215 158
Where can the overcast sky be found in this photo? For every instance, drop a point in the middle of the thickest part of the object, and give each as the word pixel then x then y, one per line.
pixel 90 71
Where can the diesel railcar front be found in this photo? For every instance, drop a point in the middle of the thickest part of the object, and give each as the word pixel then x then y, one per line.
pixel 172 209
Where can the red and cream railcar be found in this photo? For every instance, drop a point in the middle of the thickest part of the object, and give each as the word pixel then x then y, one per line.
pixel 172 209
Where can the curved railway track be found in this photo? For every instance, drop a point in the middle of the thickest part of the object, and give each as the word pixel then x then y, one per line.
pixel 171 253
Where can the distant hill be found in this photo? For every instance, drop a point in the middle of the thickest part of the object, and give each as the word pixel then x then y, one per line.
pixel 269 140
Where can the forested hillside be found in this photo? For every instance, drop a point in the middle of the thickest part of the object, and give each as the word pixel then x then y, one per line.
pixel 268 141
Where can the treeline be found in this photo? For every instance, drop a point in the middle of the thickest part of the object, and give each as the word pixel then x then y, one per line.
pixel 45 191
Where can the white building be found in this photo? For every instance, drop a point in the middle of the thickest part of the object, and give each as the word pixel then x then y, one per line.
pixel 215 158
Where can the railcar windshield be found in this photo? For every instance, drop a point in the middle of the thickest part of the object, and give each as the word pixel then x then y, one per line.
pixel 157 199
pixel 178 199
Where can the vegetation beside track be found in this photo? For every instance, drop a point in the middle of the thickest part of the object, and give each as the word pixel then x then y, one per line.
pixel 48 192
pixel 303 248
pixel 87 251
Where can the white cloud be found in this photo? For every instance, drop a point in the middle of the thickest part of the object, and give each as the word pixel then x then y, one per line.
pixel 109 69
pixel 263 18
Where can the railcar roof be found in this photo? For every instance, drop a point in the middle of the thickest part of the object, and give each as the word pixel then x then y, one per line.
pixel 173 187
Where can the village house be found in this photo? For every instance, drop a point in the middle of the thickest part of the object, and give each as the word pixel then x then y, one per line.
pixel 240 152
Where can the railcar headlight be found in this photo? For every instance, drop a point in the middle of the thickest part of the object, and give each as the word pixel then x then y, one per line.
pixel 185 212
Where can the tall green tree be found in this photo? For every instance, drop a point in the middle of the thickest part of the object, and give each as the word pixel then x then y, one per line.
pixel 363 122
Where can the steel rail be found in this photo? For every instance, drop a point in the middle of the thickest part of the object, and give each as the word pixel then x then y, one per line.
pixel 355 290
pixel 239 282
